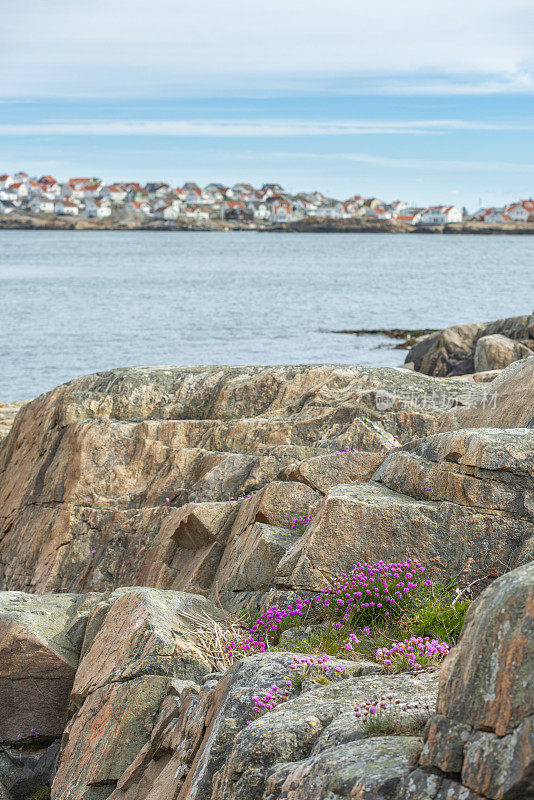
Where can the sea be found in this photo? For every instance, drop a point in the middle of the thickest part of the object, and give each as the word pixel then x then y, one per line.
pixel 76 302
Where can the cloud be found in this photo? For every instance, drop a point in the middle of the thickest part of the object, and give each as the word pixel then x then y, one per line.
pixel 406 163
pixel 115 47
pixel 224 128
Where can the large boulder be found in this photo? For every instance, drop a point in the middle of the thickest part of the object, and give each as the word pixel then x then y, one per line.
pixel 496 351
pixel 480 743
pixel 507 402
pixel 452 351
pixel 39 650
pixel 137 642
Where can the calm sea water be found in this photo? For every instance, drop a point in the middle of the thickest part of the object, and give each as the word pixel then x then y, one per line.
pixel 79 302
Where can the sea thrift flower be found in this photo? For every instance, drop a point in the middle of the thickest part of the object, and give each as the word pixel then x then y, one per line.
pixel 302 520
pixel 414 653
pixel 270 700
pixel 266 624
pixel 373 587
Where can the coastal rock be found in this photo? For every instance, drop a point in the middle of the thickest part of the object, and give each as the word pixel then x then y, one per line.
pixel 323 472
pixel 497 351
pixel 320 732
pixel 507 402
pixel 189 547
pixel 207 752
pixel 137 641
pixel 360 769
pixel 8 412
pixel 463 501
pixel 94 475
pixel 38 660
pixel 451 351
pixel 24 773
pixel 483 732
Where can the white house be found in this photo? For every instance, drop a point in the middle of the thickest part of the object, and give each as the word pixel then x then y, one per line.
pixel 332 211
pixel 259 210
pixel 41 205
pixel 49 187
pixel 93 189
pixel 116 193
pixel 497 215
pixel 19 190
pixel 96 208
pixel 168 210
pixel 280 212
pixel 440 215
pixel 171 211
pixel 6 208
pixel 140 208
pixel 66 207
pixel 6 181
pixel 196 212
pixel 379 213
pixel 411 216
pixel 518 212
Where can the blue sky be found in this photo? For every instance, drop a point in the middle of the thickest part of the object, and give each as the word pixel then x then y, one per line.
pixel 421 101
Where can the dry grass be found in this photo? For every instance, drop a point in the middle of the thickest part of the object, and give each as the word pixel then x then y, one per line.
pixel 212 637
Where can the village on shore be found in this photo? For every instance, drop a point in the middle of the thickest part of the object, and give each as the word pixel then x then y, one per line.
pixel 92 198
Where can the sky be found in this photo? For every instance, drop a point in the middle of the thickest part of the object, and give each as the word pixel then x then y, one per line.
pixel 422 101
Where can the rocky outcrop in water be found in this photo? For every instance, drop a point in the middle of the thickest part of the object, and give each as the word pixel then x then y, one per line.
pixel 475 347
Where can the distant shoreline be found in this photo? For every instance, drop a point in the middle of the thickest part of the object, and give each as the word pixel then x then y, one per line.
pixel 310 225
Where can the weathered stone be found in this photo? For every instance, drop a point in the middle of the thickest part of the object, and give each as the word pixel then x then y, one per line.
pixel 452 351
pixel 323 472
pixel 260 536
pixel 463 501
pixel 37 664
pixel 137 640
pixel 189 547
pixel 307 726
pixel 23 774
pixel 496 352
pixel 501 767
pixel 444 745
pixel 90 465
pixel 508 402
pixel 487 681
pixel 102 740
pixel 484 727
pixel 419 785
pixel 362 770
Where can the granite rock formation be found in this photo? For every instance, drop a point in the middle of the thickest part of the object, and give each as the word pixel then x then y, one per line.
pixel 106 467
pixel 155 496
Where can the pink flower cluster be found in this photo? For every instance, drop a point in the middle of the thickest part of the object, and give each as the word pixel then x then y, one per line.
pixel 267 623
pixel 270 700
pixel 373 587
pixel 302 520
pixel 415 650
